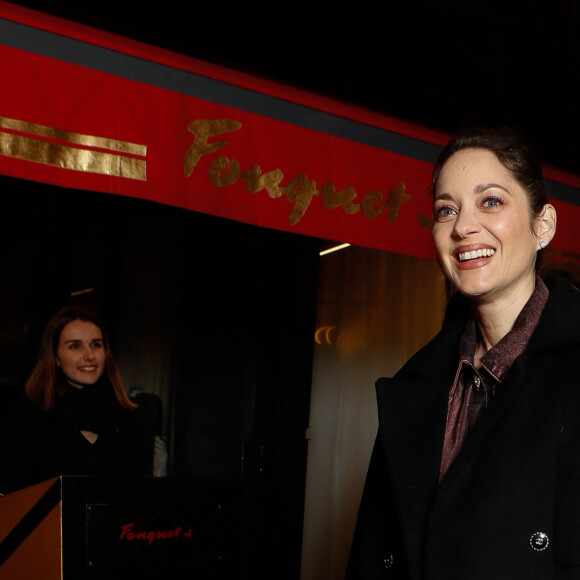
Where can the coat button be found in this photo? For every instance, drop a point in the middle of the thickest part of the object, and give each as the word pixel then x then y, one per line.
pixel 388 560
pixel 539 541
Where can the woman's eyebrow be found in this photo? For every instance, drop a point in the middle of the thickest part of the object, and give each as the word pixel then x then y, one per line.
pixel 478 189
pixel 483 187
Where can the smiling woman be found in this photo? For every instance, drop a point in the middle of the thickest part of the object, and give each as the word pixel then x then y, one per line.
pixel 75 418
pixel 80 353
pixel 485 235
pixel 479 431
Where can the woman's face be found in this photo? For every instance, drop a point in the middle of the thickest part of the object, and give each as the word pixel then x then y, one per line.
pixel 483 231
pixel 81 353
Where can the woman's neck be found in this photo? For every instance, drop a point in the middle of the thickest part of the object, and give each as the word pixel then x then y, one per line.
pixel 496 318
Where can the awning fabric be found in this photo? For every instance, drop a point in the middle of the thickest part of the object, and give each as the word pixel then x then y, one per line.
pixel 84 109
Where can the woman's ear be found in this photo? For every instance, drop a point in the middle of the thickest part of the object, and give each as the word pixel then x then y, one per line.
pixel 545 224
pixel 57 362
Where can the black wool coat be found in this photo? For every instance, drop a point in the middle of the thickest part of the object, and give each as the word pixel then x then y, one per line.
pixel 508 508
pixel 36 445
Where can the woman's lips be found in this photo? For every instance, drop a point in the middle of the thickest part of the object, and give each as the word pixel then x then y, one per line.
pixel 470 257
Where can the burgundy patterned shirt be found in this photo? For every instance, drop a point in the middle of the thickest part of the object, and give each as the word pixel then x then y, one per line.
pixel 474 389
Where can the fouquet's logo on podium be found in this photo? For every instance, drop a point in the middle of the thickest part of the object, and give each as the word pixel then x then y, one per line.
pixel 130 533
pixel 127 534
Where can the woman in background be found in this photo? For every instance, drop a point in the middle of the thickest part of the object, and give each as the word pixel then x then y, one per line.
pixel 475 472
pixel 75 418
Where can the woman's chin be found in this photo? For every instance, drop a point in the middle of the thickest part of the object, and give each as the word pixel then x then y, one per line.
pixel 82 382
pixel 473 290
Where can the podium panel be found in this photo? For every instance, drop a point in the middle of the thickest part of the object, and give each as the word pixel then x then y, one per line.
pixel 80 528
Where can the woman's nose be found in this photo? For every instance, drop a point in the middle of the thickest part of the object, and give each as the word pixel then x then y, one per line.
pixel 88 353
pixel 466 223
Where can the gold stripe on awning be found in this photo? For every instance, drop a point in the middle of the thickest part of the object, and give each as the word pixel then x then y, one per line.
pixel 74 151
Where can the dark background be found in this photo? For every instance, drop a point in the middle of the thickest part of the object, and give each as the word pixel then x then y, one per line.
pixel 440 64
pixel 232 310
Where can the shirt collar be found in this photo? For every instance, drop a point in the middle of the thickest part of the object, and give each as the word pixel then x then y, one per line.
pixel 498 359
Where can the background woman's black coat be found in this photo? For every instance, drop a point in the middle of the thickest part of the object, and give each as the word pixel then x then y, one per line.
pixel 517 474
pixel 36 445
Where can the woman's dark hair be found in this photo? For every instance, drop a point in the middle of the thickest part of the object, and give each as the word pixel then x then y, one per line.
pixel 42 387
pixel 512 150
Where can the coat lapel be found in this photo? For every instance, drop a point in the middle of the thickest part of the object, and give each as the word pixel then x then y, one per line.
pixel 412 412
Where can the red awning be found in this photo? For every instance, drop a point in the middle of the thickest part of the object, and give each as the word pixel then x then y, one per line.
pixel 84 109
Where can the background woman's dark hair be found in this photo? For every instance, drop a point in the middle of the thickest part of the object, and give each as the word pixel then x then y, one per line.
pixel 513 151
pixel 42 386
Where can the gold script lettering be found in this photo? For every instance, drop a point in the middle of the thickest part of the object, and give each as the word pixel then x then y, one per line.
pixel 300 190
pixel 202 130
pixel 395 199
pixel 426 221
pixel 344 198
pixel 223 172
pixel 371 199
pixel 256 181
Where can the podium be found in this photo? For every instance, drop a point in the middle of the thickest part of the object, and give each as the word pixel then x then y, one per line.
pixel 81 528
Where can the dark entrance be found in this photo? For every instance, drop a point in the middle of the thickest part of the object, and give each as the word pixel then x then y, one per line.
pixel 226 309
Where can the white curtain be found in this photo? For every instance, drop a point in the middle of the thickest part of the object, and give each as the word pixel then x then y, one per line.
pixel 375 310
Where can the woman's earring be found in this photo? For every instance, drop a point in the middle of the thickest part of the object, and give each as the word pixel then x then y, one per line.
pixel 542 245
